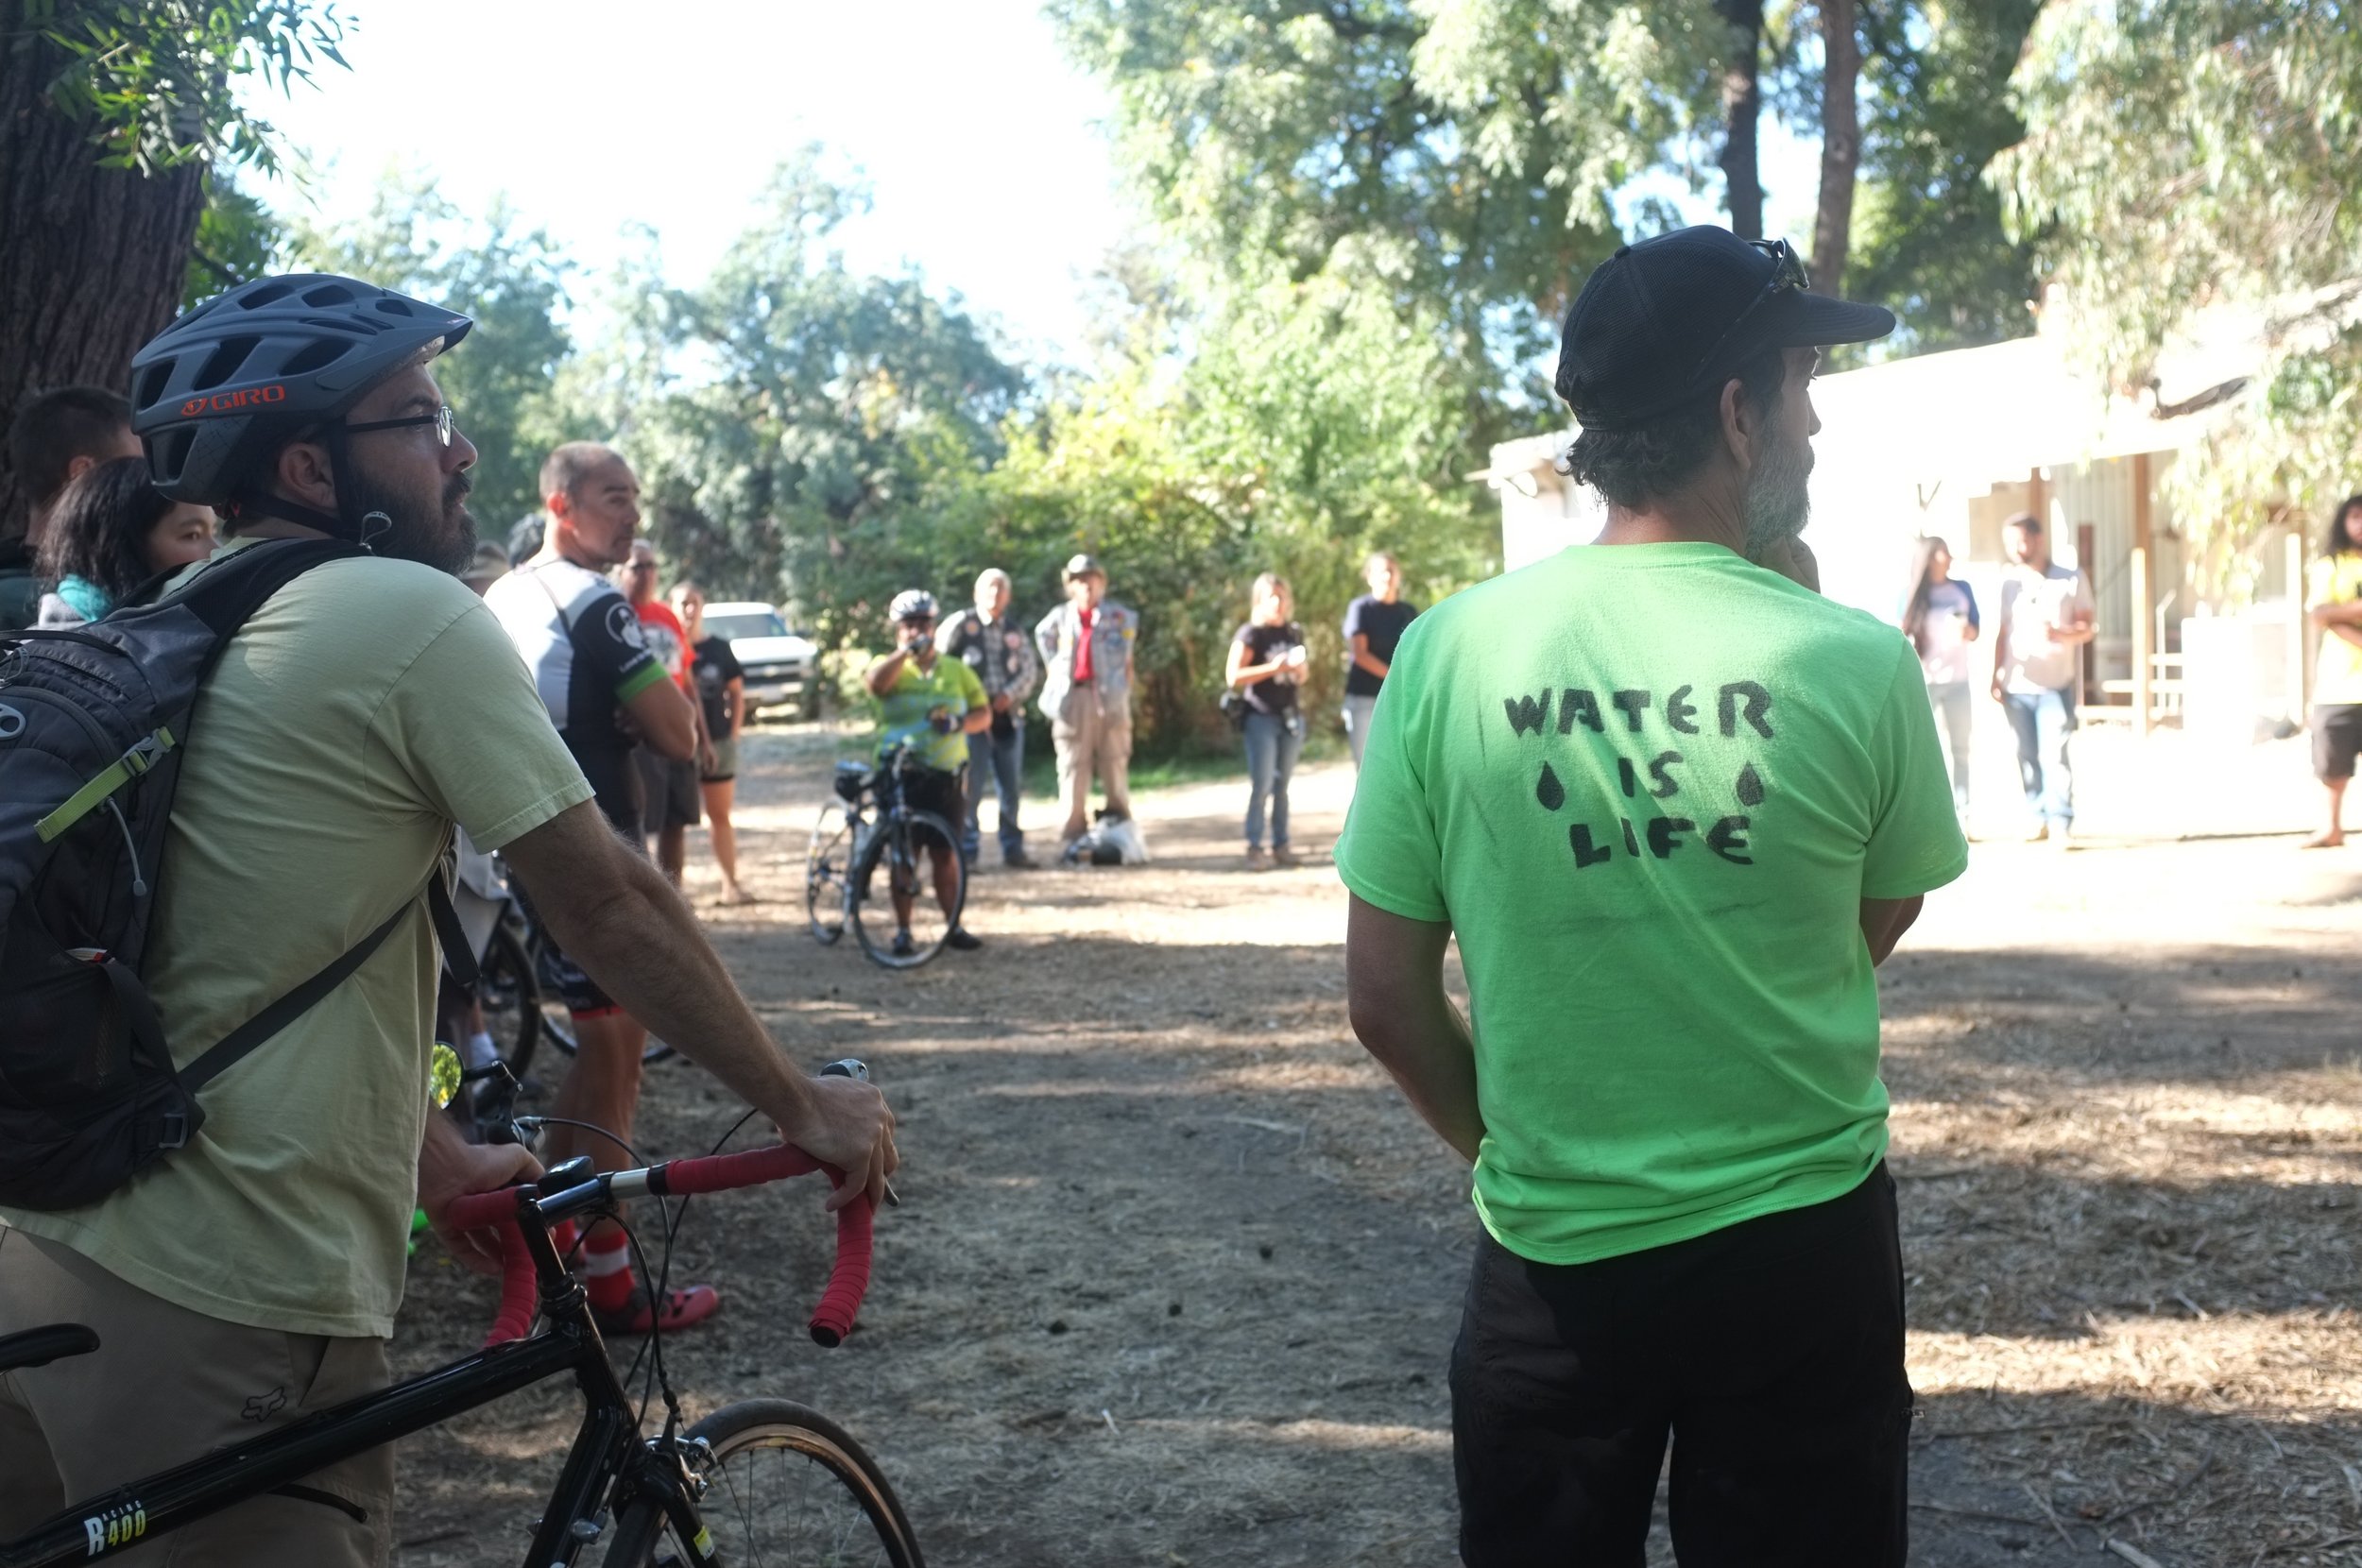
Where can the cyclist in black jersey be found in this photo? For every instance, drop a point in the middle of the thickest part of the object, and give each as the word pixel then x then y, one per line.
pixel 609 694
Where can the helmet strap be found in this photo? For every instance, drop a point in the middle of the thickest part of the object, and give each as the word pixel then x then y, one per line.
pixel 364 530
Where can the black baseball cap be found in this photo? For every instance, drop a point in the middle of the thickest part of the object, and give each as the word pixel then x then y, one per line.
pixel 1673 317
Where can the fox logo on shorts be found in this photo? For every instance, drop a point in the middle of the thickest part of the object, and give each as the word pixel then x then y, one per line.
pixel 263 1407
pixel 118 1526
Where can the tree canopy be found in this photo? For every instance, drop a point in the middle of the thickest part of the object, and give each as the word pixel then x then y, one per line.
pixel 2181 159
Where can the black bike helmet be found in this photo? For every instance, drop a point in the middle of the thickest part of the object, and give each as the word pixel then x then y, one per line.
pixel 222 388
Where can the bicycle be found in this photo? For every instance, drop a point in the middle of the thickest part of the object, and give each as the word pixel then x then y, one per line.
pixel 851 849
pixel 648 1489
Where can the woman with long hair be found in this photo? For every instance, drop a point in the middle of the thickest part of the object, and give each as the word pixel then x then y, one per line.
pixel 1941 620
pixel 2332 595
pixel 721 682
pixel 1267 664
pixel 113 530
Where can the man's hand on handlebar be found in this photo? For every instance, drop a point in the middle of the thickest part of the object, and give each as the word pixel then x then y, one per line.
pixel 850 1127
pixel 451 1168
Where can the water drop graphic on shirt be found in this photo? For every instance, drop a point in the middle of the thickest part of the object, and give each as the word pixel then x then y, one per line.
pixel 1750 786
pixel 1549 791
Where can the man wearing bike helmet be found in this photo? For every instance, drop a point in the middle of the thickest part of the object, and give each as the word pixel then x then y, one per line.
pixel 251 1277
pixel 932 704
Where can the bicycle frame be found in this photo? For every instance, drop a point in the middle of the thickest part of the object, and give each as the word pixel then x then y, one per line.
pixel 607 1466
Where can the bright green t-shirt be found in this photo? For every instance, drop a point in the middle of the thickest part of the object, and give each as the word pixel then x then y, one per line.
pixel 368 706
pixel 2337 667
pixel 1648 786
pixel 950 688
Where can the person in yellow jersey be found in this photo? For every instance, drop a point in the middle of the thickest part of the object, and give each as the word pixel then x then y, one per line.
pixel 2332 596
pixel 932 704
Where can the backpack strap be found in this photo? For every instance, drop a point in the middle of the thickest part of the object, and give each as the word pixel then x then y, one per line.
pixel 233 1046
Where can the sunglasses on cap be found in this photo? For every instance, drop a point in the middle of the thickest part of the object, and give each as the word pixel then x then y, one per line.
pixel 1788 276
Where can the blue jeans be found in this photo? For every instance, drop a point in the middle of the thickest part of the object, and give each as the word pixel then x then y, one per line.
pixel 1271 746
pixel 1953 701
pixel 1357 711
pixel 2044 721
pixel 1005 757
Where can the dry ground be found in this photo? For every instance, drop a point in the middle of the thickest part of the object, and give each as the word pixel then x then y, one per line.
pixel 1175 1275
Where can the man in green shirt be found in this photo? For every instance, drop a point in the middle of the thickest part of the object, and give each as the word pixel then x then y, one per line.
pixel 931 704
pixel 1675 807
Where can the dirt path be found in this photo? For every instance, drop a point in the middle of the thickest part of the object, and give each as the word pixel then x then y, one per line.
pixel 1176 1274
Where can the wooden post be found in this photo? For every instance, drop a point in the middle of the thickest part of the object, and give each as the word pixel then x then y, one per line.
pixel 2144 592
pixel 2087 654
pixel 2299 677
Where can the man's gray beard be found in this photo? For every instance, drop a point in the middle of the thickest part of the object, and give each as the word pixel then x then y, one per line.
pixel 1779 499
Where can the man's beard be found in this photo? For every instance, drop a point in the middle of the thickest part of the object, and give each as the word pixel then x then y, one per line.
pixel 440 534
pixel 1779 500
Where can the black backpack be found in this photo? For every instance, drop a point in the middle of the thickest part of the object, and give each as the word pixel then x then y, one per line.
pixel 93 723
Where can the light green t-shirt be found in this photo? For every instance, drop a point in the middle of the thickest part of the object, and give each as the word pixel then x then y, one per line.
pixel 366 707
pixel 917 696
pixel 1649 787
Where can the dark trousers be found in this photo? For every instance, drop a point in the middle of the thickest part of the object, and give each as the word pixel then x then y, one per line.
pixel 1006 758
pixel 1771 1353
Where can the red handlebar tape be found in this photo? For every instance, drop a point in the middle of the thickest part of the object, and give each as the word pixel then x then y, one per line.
pixel 847 1281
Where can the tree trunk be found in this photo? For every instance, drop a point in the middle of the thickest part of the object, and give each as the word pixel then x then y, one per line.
pixel 92 258
pixel 1742 106
pixel 1840 143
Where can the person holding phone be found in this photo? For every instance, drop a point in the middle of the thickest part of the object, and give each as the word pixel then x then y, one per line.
pixel 934 703
pixel 1267 665
pixel 1941 620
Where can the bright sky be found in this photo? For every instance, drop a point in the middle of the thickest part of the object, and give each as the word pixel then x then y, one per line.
pixel 984 148
pixel 982 144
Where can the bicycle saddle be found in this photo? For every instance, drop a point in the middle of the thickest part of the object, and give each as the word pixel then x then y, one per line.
pixel 38 1347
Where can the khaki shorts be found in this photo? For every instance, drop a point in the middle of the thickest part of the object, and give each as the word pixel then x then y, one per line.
pixel 166 1386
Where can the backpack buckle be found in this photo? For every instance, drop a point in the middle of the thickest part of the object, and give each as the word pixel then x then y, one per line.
pixel 173 1131
pixel 143 754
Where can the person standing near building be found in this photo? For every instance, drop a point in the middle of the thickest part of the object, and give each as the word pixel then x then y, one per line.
pixel 1266 665
pixel 1374 623
pixel 2046 616
pixel 55 437
pixel 2333 597
pixel 988 641
pixel 1086 646
pixel 1941 620
pixel 720 687
pixel 1675 808
pixel 669 784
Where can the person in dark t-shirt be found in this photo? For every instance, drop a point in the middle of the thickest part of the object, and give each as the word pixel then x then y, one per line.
pixel 1267 663
pixel 1374 623
pixel 721 682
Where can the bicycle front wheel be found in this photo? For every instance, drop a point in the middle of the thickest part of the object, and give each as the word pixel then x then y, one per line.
pixel 782 1485
pixel 909 888
pixel 827 868
pixel 511 995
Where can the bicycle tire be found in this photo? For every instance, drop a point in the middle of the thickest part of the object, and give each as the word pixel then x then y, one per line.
pixel 506 984
pixel 898 835
pixel 828 873
pixel 857 1521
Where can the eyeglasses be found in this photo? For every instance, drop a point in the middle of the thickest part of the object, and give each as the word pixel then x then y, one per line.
pixel 1788 276
pixel 441 420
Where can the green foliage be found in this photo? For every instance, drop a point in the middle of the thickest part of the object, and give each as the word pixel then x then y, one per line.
pixel 2194 156
pixel 159 79
pixel 502 380
pixel 1928 240
pixel 238 239
pixel 789 418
